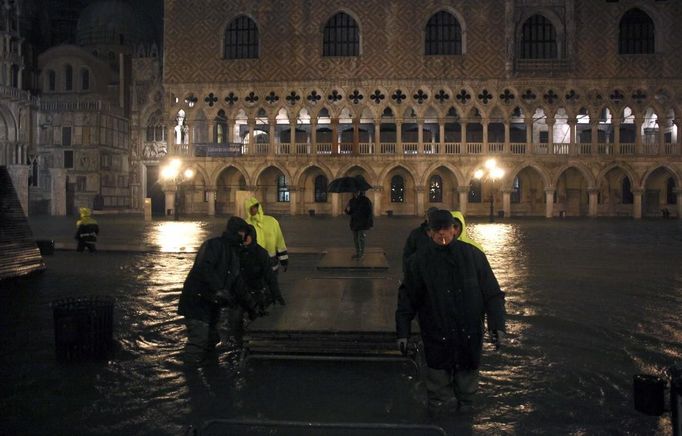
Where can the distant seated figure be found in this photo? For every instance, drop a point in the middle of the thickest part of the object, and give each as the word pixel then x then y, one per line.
pixel 86 231
pixel 665 212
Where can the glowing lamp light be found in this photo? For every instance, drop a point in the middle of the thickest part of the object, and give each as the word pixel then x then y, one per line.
pixel 497 173
pixel 189 173
pixel 169 172
pixel 491 164
pixel 478 174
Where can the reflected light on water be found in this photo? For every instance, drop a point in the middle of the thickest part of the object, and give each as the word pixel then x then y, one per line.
pixel 493 237
pixel 177 236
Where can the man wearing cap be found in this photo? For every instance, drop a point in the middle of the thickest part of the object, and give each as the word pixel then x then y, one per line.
pixel 418 237
pixel 450 286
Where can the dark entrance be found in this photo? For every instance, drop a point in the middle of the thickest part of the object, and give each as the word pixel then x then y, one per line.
pixel 155 192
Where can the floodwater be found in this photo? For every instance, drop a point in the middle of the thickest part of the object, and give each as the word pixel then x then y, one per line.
pixel 590 303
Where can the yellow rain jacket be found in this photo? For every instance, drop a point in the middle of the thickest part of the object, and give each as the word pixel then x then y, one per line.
pixel 464 236
pixel 86 217
pixel 268 233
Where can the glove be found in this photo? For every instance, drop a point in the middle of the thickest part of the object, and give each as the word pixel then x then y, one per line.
pixel 402 346
pixel 279 299
pixel 497 337
pixel 224 298
pixel 285 264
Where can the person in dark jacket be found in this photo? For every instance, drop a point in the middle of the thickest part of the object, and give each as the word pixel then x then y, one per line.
pixel 212 283
pixel 260 285
pixel 418 237
pixel 451 287
pixel 361 219
pixel 87 230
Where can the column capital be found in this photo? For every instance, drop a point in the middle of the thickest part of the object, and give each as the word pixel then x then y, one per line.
pixel 420 188
pixel 551 190
pixel 462 189
pixel 378 188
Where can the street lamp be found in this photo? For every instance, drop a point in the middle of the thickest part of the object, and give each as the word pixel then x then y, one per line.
pixel 491 172
pixel 175 173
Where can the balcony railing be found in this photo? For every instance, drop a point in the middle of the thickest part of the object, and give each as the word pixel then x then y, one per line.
pixel 210 150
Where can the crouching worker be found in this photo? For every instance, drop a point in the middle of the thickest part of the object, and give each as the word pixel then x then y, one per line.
pixel 258 287
pixel 450 286
pixel 86 231
pixel 211 284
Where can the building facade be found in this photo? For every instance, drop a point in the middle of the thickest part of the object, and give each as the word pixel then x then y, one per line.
pixel 575 99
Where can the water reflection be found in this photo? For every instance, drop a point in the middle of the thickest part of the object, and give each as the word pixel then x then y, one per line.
pixel 172 236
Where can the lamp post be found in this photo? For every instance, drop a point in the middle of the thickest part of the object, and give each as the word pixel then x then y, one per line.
pixel 490 172
pixel 175 173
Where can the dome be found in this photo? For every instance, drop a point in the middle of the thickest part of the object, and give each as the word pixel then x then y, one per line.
pixel 113 22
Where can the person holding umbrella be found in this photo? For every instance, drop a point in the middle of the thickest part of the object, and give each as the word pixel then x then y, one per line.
pixel 361 219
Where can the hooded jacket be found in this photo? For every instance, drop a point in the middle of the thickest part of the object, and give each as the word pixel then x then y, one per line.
pixel 86 227
pixel 450 288
pixel 464 236
pixel 269 234
pixel 417 238
pixel 255 267
pixel 216 267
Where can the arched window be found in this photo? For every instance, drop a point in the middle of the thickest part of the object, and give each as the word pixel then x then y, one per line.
pixel 341 36
pixel 156 129
pixel 538 39
pixel 68 78
pixel 397 189
pixel 443 35
pixel 475 191
pixel 85 79
pixel 320 189
pixel 241 39
pixel 51 80
pixel 670 191
pixel 282 190
pixel 516 191
pixel 636 33
pixel 436 189
pixel 627 191
pixel 220 133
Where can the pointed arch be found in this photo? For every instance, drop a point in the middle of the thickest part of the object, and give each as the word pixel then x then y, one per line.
pixel 636 33
pixel 514 172
pixel 296 180
pixel 627 169
pixel 341 36
pixel 372 179
pixel 213 177
pixel 581 168
pixel 241 39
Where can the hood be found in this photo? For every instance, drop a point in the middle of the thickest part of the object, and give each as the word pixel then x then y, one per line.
pixel 464 236
pixel 247 205
pixel 85 212
pixel 85 217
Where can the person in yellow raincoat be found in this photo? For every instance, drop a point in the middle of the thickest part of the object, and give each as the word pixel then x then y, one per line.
pixel 86 231
pixel 463 235
pixel 268 234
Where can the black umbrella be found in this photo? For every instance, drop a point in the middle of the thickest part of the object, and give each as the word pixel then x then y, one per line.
pixel 349 184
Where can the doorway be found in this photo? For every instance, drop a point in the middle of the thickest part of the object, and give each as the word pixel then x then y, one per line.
pixel 155 192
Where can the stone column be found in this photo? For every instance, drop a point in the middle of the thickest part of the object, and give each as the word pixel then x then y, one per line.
pixel 678 192
pixel 58 191
pixel 420 200
pixel 212 137
pixel 638 136
pixel 637 203
pixel 616 131
pixel 293 201
pixel 292 136
pixel 571 138
pixel 594 136
pixel 506 202
pixel 399 136
pixel 420 137
pixel 252 139
pixel 549 202
pixel 441 135
pixel 211 193
pixel 463 124
pixel 336 204
pixel 529 135
pixel 19 175
pixel 170 192
pixel 507 136
pixel 376 203
pixel 356 136
pixel 377 135
pixel 661 139
pixel 272 133
pixel 335 135
pixel 550 135
pixel 313 136
pixel 463 192
pixel 484 123
pixel 593 204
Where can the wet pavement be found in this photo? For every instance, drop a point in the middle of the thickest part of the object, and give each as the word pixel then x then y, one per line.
pixel 590 302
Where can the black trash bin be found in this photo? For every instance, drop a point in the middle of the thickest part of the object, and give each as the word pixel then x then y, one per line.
pixel 83 328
